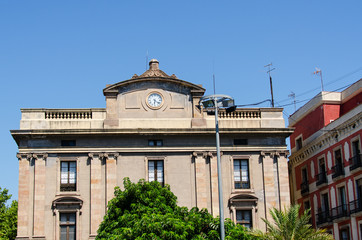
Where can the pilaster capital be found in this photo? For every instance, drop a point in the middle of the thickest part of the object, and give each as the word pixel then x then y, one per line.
pixel 262 153
pixel 94 155
pixel 26 156
pixel 213 154
pixel 199 154
pixel 111 155
pixel 38 156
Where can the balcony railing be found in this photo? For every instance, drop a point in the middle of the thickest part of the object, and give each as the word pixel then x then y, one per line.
pixel 338 170
pixel 304 187
pixel 344 210
pixel 340 211
pixel 321 178
pixel 355 206
pixel 323 217
pixel 356 162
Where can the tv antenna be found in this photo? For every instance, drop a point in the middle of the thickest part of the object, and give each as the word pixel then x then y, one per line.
pixel 146 60
pixel 292 95
pixel 271 82
pixel 319 72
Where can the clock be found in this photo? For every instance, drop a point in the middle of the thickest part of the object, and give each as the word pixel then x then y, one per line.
pixel 154 100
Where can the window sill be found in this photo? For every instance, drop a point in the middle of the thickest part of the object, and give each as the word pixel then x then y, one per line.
pixel 246 190
pixel 68 193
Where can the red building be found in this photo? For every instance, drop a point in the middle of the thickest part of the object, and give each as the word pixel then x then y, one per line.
pixel 325 163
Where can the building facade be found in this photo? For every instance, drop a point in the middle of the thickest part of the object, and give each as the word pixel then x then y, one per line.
pixel 325 163
pixel 152 128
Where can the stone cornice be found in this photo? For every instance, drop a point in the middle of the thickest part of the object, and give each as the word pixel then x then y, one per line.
pixel 329 138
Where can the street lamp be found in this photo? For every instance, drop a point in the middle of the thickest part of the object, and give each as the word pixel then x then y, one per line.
pixel 214 102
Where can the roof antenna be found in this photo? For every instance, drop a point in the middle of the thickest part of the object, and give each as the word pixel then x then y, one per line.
pixel 292 95
pixel 319 71
pixel 146 59
pixel 271 82
pixel 213 75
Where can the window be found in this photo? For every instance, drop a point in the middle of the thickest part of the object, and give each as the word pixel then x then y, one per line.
pixel 155 143
pixel 304 186
pixel 306 205
pixel 355 148
pixel 241 174
pixel 67 226
pixel 155 171
pixel 338 167
pixel 344 233
pixel 240 142
pixel 68 175
pixel 325 202
pixel 322 175
pixel 299 143
pixel 67 143
pixel 244 217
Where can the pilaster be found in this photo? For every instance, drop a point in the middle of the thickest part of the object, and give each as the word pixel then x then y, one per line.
pixel 269 184
pixel 200 179
pixel 96 193
pixel 111 174
pixel 284 192
pixel 23 195
pixel 39 194
pixel 214 184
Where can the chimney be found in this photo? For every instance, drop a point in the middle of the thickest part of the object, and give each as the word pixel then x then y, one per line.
pixel 153 64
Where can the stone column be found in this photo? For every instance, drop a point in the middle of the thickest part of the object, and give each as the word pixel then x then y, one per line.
pixel 214 184
pixel 283 179
pixel 111 174
pixel 200 178
pixel 39 194
pixel 96 192
pixel 23 194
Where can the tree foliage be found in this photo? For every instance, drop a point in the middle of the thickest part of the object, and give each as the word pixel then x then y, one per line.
pixel 288 225
pixel 148 211
pixel 8 216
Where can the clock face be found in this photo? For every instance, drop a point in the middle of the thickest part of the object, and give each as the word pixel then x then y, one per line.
pixel 154 100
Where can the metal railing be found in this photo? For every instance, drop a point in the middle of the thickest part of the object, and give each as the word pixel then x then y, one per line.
pixel 343 210
pixel 321 178
pixel 304 187
pixel 338 170
pixel 356 162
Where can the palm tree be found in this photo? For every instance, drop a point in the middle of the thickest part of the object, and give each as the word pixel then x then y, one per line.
pixel 289 226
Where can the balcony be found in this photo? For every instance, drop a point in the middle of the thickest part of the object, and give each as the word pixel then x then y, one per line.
pixel 355 162
pixel 304 187
pixel 340 211
pixel 321 178
pixel 344 210
pixel 323 217
pixel 355 206
pixel 338 170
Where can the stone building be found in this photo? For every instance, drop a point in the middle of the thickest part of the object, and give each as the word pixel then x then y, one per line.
pixel 152 128
pixel 325 164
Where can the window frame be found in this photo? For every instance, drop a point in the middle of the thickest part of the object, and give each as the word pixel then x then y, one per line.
pixel 299 142
pixel 155 142
pixel 240 158
pixel 68 224
pixel 156 158
pixel 241 222
pixel 59 169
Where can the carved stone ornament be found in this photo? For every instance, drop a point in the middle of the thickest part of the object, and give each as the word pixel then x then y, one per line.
pixel 40 156
pixel 154 73
pixel 21 156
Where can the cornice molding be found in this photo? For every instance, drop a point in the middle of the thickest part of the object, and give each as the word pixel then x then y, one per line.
pixel 326 140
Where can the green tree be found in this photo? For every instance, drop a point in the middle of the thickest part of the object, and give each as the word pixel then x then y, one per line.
pixel 147 210
pixel 8 216
pixel 288 225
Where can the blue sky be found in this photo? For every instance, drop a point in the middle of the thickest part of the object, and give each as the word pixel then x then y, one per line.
pixel 61 54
